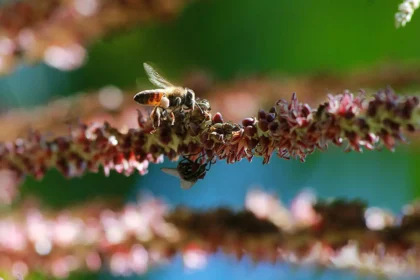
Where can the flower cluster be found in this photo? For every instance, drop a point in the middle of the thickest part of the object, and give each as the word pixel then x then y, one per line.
pixel 289 129
pixel 57 31
pixel 116 106
pixel 405 12
pixel 86 238
pixel 341 234
pixel 236 99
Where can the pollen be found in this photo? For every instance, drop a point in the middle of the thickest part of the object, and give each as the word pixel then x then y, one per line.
pixel 164 103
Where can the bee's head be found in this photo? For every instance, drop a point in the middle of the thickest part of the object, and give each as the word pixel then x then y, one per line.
pixel 190 98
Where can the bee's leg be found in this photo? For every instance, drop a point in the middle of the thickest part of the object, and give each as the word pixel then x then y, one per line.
pixel 155 116
pixel 185 159
pixel 210 162
pixel 213 160
pixel 208 166
pixel 190 155
pixel 152 115
pixel 199 107
pixel 164 113
pixel 172 117
pixel 178 103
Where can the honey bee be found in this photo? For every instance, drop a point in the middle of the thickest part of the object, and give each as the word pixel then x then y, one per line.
pixel 166 99
pixel 189 171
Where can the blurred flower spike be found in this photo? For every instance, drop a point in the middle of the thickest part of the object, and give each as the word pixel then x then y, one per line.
pixel 133 238
pixel 289 129
pixel 58 32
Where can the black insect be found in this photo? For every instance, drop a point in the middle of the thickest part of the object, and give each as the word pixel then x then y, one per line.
pixel 190 171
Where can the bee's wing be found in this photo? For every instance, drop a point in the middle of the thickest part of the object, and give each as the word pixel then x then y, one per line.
pixel 171 171
pixel 174 172
pixel 187 184
pixel 155 78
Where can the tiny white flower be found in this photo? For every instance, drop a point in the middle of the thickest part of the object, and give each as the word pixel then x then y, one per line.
pixel 405 12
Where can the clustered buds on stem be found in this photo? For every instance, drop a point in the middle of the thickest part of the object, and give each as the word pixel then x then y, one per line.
pixel 341 234
pixel 405 12
pixel 115 105
pixel 57 31
pixel 289 129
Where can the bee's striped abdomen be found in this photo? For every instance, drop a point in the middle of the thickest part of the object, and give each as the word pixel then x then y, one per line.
pixel 149 97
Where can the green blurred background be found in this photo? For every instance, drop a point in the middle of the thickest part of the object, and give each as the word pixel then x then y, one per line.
pixel 236 38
